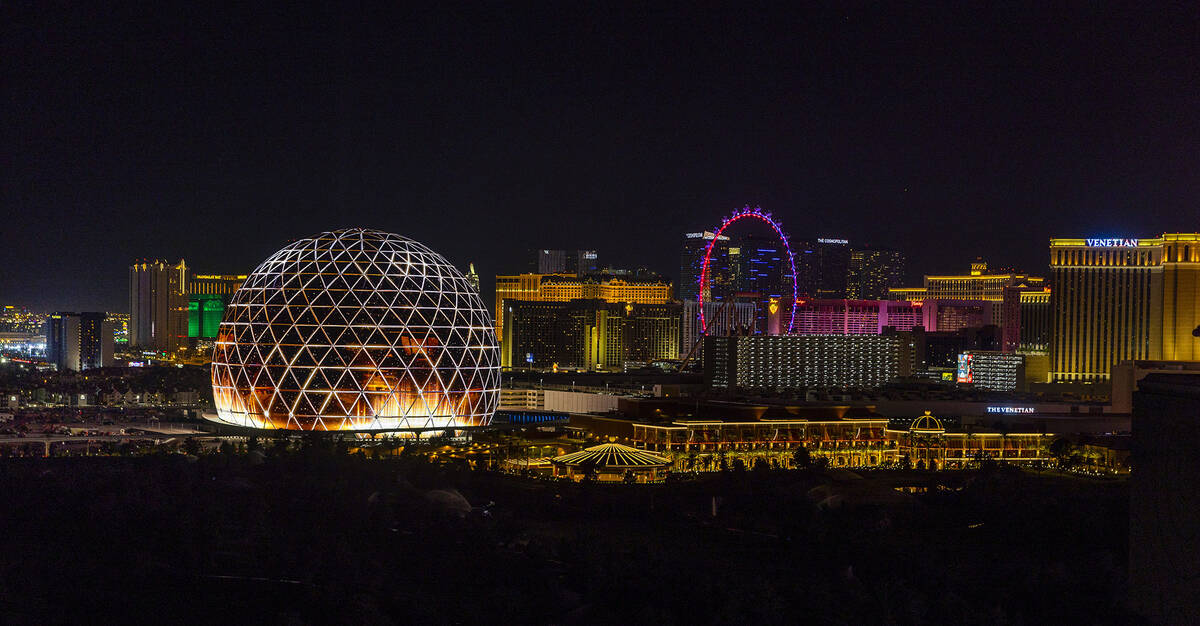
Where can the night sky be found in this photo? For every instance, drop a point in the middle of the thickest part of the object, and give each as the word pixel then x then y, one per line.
pixel 220 135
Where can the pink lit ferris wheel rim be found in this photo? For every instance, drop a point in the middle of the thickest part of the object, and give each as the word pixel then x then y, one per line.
pixel 755 213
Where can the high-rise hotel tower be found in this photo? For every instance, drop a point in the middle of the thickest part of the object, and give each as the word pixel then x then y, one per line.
pixel 561 288
pixel 158 304
pixel 1181 297
pixel 1122 299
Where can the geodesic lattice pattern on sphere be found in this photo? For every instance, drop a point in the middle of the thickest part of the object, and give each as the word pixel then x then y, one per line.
pixel 356 329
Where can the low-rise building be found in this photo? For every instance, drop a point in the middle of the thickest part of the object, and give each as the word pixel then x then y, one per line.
pixel 522 398
pixel 850 441
pixel 926 444
pixel 702 445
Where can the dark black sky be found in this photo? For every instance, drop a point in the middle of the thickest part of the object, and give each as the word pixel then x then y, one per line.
pixel 218 135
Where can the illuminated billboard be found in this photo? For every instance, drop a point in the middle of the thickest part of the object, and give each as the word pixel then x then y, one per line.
pixel 1011 410
pixel 1112 243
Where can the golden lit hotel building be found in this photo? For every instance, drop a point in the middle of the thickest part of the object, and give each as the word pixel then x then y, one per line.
pixel 1181 296
pixel 564 288
pixel 979 284
pixel 698 445
pixel 1023 301
pixel 1122 299
pixel 215 284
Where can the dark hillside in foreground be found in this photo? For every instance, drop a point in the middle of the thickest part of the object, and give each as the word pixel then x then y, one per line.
pixel 320 538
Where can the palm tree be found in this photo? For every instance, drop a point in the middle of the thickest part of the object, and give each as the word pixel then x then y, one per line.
pixel 1003 429
pixel 801 459
pixel 1061 448
pixel 589 470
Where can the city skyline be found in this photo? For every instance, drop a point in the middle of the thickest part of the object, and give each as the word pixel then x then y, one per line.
pixel 913 277
pixel 631 312
pixel 947 134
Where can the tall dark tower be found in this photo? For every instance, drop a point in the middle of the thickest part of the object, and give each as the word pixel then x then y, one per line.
pixel 158 304
pixel 721 266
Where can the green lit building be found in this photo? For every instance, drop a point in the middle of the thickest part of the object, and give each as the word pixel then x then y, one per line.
pixel 204 315
pixel 207 296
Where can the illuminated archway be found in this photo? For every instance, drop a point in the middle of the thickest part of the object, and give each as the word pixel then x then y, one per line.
pixel 740 214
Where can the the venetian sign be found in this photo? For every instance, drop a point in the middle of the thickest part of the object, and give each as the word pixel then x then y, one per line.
pixel 1112 243
pixel 1011 409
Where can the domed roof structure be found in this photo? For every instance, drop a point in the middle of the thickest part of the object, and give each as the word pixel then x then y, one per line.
pixel 356 330
pixel 612 455
pixel 926 423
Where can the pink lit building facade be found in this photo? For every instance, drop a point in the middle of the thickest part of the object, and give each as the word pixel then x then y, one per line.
pixel 855 317
pixel 870 317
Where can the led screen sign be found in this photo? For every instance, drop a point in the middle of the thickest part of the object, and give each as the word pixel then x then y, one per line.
pixel 964 374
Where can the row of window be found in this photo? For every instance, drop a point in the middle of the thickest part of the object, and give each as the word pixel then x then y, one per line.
pixel 1105 257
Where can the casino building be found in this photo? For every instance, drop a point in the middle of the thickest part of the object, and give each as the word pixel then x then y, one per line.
pixel 564 288
pixel 1122 299
pixel 587 334
pixel 980 284
pixel 848 441
pixel 1034 323
pixel 926 444
pixel 1016 302
pixel 1181 296
pixel 855 317
pixel 845 441
pixel 208 295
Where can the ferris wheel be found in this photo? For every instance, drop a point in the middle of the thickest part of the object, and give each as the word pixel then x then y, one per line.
pixel 747 213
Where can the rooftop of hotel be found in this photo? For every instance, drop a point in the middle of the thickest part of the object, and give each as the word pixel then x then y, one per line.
pixel 604 278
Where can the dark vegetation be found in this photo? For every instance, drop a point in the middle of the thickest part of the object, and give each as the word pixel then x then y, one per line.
pixel 320 536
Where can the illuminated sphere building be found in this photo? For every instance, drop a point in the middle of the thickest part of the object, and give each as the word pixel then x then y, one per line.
pixel 356 330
